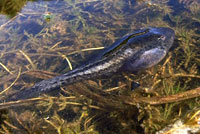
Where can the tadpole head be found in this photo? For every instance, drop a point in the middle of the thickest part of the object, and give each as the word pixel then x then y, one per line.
pixel 167 36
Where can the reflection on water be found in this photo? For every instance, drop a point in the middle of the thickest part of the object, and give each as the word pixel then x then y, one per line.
pixel 41 39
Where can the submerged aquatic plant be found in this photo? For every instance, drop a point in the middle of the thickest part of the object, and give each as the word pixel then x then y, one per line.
pixel 103 105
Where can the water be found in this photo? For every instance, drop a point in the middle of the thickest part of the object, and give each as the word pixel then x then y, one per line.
pixel 41 39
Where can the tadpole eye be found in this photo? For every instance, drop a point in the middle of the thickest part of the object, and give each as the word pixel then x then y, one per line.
pixel 162 38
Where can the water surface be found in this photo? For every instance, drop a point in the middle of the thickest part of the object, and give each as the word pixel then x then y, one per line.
pixel 41 39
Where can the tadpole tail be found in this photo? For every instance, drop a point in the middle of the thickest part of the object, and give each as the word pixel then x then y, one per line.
pixel 93 70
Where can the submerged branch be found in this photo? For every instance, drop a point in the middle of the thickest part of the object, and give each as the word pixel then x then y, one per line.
pixel 10 104
pixel 34 73
pixel 168 99
pixel 18 103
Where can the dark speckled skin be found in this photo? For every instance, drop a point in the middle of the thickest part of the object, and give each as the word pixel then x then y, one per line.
pixel 138 50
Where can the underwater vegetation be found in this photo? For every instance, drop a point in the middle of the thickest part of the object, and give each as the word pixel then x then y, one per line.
pixel 52 37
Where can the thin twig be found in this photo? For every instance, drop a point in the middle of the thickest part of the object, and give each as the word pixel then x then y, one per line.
pixel 17 103
pixel 186 75
pixel 67 59
pixel 12 83
pixel 3 25
pixel 115 88
pixel 5 68
pixel 58 43
pixel 34 73
pixel 28 58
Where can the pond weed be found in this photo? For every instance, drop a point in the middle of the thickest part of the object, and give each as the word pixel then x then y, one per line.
pixel 100 106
